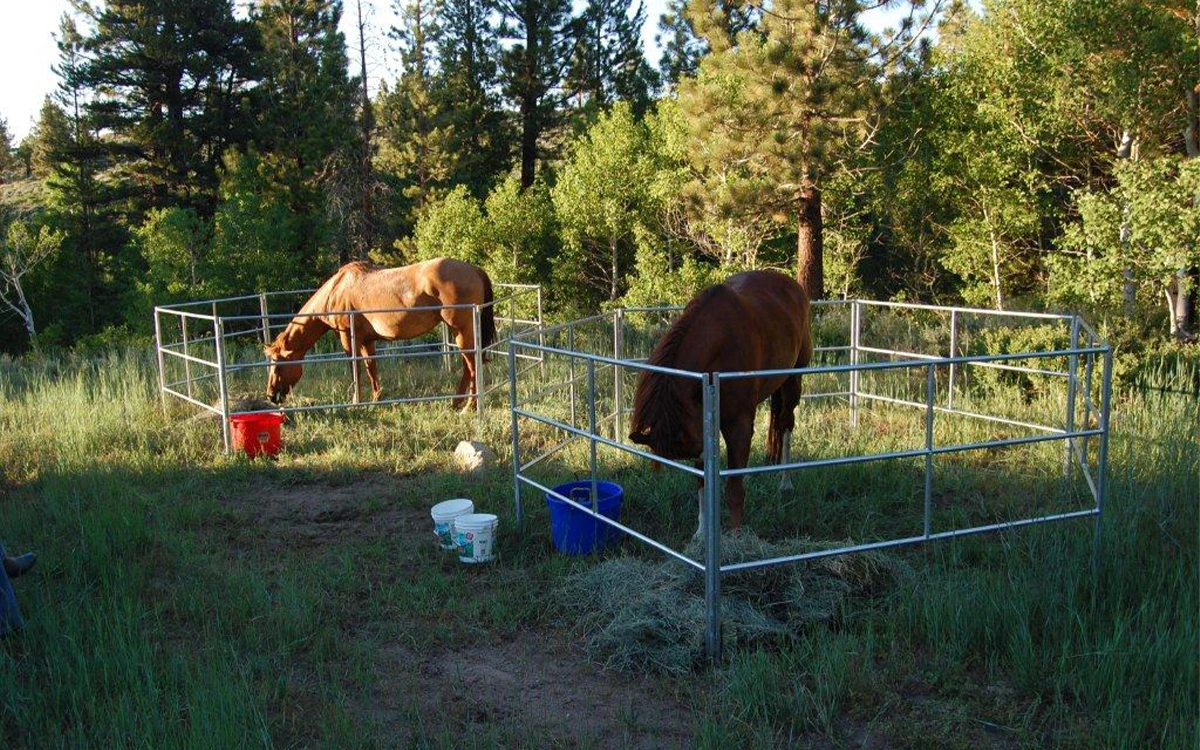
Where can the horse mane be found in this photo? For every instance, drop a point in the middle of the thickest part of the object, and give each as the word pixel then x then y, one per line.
pixel 279 348
pixel 654 403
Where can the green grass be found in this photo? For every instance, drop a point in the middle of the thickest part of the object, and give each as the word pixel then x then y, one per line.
pixel 165 611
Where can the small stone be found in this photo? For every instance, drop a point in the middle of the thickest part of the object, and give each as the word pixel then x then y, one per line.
pixel 472 456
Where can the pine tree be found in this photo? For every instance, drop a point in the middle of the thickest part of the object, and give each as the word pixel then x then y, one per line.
pixel 467 93
pixel 170 79
pixel 306 101
pixel 534 67
pixel 682 48
pixel 10 165
pixel 415 139
pixel 69 156
pixel 770 109
pixel 608 65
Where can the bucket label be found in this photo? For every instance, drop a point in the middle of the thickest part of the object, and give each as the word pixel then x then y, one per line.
pixel 475 546
pixel 466 544
pixel 441 530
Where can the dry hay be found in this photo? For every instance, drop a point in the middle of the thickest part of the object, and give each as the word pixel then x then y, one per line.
pixel 248 403
pixel 643 616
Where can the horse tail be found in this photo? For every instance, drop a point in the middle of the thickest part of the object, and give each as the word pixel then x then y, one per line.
pixel 487 316
pixel 774 433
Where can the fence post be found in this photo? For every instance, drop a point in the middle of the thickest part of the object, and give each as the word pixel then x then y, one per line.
pixel 712 517
pixel 219 334
pixel 1072 384
pixel 618 347
pixel 591 389
pixel 516 434
pixel 187 363
pixel 1087 400
pixel 446 347
pixel 158 350
pixel 953 353
pixel 1102 457
pixel 930 392
pixel 354 374
pixel 476 319
pixel 541 324
pixel 266 319
pixel 855 319
pixel 570 368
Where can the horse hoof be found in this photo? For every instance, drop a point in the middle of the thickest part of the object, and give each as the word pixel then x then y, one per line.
pixel 785 486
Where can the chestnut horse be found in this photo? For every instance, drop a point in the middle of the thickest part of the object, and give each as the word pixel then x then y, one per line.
pixel 759 320
pixel 361 286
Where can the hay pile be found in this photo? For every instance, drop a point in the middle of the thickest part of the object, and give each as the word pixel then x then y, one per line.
pixel 644 616
pixel 253 402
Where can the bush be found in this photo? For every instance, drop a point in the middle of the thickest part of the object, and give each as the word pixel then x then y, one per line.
pixel 657 281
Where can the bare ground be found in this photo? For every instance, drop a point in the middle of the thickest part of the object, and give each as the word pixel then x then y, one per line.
pixel 535 680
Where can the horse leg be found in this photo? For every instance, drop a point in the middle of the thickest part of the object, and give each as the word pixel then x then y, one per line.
pixel 344 336
pixel 783 421
pixel 466 383
pixel 699 503
pixel 737 448
pixel 367 351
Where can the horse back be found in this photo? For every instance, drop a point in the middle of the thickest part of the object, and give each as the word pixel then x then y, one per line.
pixel 430 283
pixel 774 325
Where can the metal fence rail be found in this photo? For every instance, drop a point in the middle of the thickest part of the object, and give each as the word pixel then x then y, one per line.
pixel 595 352
pixel 202 333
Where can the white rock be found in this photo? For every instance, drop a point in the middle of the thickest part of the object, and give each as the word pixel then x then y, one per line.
pixel 471 455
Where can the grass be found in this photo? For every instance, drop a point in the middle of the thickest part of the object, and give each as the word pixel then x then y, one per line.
pixel 167 610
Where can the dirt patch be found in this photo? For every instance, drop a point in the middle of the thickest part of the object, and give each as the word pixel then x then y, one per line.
pixel 305 515
pixel 534 680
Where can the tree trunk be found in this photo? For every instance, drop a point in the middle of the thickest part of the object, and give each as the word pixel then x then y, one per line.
pixel 529 104
pixel 1178 306
pixel 528 143
pixel 23 310
pixel 364 166
pixel 1185 304
pixel 1191 134
pixel 995 261
pixel 612 248
pixel 810 245
pixel 1126 150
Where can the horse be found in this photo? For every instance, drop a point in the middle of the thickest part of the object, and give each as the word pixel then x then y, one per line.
pixel 436 284
pixel 759 320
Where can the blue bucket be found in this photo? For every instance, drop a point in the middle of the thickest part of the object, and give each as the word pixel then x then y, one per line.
pixel 577 532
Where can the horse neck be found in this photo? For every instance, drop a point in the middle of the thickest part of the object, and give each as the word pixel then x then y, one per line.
pixel 683 348
pixel 694 340
pixel 304 329
pixel 301 334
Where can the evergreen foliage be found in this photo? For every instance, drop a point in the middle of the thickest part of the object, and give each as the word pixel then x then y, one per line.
pixel 1032 153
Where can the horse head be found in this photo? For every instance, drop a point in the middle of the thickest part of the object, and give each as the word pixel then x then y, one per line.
pixel 283 373
pixel 664 419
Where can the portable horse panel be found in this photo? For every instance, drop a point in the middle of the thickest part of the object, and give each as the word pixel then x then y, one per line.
pixel 917 359
pixel 207 349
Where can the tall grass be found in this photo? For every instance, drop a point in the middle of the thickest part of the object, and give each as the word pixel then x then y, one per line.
pixel 155 619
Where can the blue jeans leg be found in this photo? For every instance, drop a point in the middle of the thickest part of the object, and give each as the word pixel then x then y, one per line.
pixel 10 613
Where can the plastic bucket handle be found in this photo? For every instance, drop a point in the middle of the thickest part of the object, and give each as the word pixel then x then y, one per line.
pixel 581 491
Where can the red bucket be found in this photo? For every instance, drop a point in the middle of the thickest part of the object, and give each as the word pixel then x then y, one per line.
pixel 257 433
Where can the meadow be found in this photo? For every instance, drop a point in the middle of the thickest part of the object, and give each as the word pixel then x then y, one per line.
pixel 184 598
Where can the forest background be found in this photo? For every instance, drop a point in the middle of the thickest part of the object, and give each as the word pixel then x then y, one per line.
pixel 1023 154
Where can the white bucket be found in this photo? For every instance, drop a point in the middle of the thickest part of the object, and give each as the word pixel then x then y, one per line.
pixel 476 537
pixel 443 519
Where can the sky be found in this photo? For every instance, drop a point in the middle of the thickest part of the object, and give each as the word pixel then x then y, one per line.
pixel 28 52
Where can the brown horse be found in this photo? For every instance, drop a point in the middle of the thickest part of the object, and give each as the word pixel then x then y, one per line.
pixel 759 320
pixel 360 286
